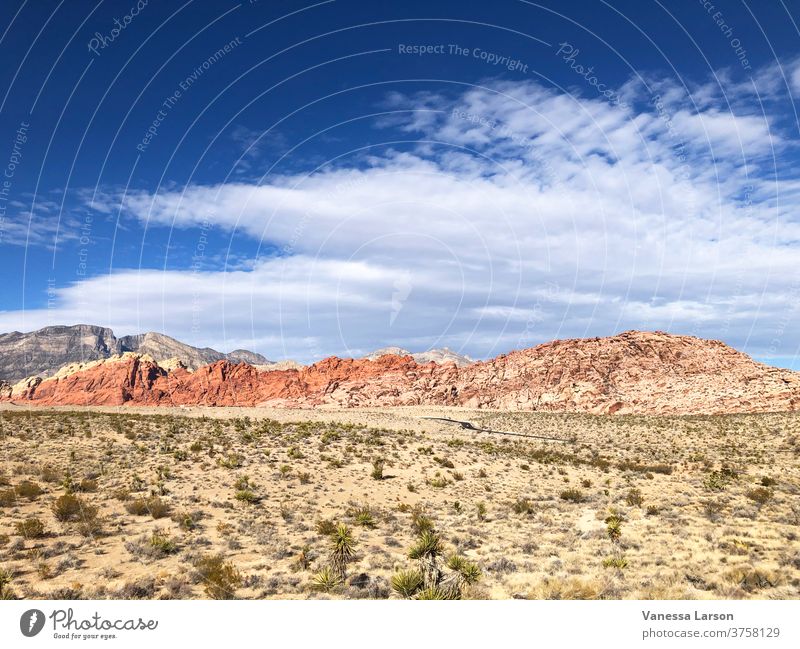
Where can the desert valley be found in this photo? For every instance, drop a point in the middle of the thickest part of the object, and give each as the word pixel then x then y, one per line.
pixel 644 465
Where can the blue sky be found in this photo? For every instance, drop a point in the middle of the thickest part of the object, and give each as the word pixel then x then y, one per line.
pixel 310 179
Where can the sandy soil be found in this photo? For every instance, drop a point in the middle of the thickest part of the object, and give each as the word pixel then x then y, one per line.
pixel 612 507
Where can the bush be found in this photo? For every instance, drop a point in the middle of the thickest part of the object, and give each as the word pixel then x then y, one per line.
pixel 221 578
pixel 377 469
pixel 247 496
pixel 634 498
pixel 420 521
pixel 7 498
pixel 161 543
pixel 619 562
pixel 523 506
pixel 760 495
pixel 572 495
pixel 29 490
pixel 5 581
pixel 31 528
pixel 87 485
pixel 325 527
pixel 153 506
pixel 68 508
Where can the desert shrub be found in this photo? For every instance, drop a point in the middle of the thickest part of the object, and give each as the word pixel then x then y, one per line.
pixel 5 585
pixel 152 505
pixel 444 462
pixel 407 582
pixel 752 579
pixel 719 480
pixel 295 453
pixel 326 580
pixel 89 523
pixel 617 561
pixel 68 507
pixel 246 496
pixel 28 489
pixel 161 543
pixel 568 589
pixel 665 469
pixel 652 510
pixel 363 516
pixel 49 474
pixel 187 520
pixel 31 528
pixel 480 511
pixel 766 481
pixel 7 497
pixel 87 485
pixel 304 477
pixel 438 481
pixel 420 521
pixel 231 461
pixel 760 495
pixel 523 506
pixel 572 495
pixel 634 498
pixel 713 509
pixel 220 577
pixel 377 469
pixel 325 527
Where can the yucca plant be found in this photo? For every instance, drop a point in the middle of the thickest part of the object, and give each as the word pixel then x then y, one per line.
pixel 427 550
pixel 5 580
pixel 344 549
pixel 325 580
pixel 467 570
pixel 432 592
pixel 407 582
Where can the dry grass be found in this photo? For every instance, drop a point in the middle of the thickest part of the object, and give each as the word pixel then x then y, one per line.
pixel 338 504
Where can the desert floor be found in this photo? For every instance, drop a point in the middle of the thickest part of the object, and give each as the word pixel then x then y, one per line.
pixel 267 503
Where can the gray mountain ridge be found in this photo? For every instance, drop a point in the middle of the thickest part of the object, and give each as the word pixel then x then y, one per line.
pixel 43 352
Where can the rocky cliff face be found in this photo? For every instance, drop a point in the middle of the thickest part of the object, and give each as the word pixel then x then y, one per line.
pixel 634 372
pixel 42 353
pixel 161 347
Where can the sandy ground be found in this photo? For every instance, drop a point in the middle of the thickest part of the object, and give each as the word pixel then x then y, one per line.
pixel 612 507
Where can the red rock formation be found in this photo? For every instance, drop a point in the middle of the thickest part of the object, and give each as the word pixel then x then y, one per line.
pixel 634 372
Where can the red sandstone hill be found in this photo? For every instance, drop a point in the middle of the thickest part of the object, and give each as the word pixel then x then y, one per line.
pixel 633 372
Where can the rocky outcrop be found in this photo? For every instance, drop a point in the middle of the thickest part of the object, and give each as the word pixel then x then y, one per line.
pixel 161 348
pixel 42 353
pixel 439 356
pixel 634 372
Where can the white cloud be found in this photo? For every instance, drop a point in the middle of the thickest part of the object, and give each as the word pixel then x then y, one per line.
pixel 539 215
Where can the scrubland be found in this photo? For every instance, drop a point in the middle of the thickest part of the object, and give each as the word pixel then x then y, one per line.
pixel 255 503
